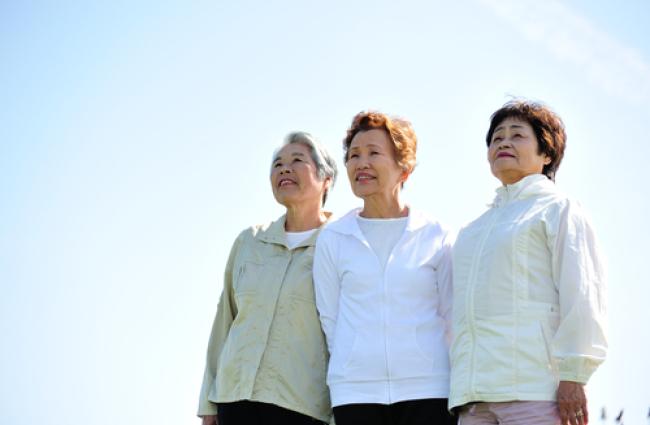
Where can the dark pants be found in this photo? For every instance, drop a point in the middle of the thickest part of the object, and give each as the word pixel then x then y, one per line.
pixel 255 413
pixel 430 411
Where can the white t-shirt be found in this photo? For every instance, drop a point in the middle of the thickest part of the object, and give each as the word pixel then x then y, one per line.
pixel 296 238
pixel 382 234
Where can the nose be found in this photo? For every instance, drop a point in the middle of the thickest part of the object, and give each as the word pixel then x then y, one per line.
pixel 502 144
pixel 285 169
pixel 362 162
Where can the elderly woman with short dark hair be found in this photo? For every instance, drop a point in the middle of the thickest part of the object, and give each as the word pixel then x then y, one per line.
pixel 267 357
pixel 529 286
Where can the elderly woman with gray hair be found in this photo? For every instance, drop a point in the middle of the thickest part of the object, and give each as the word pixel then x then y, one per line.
pixel 267 357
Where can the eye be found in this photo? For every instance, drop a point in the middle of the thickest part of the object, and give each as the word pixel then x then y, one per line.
pixel 353 155
pixel 375 153
pixel 517 135
pixel 277 165
pixel 497 138
pixel 297 160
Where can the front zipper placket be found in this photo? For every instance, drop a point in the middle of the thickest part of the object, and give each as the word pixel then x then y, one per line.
pixel 384 320
pixel 469 303
pixel 287 264
pixel 382 310
pixel 388 263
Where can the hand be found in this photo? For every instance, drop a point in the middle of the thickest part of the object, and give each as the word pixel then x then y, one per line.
pixel 572 403
pixel 209 420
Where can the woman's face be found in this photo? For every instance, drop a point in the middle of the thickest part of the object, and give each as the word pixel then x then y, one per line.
pixel 513 151
pixel 294 177
pixel 371 165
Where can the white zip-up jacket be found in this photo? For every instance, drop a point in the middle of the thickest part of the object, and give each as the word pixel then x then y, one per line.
pixel 529 297
pixel 386 329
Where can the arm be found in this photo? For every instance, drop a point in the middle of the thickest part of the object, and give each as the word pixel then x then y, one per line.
pixel 445 284
pixel 326 287
pixel 226 312
pixel 580 344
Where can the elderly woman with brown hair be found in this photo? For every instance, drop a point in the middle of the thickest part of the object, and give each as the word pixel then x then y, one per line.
pixel 529 302
pixel 267 357
pixel 382 275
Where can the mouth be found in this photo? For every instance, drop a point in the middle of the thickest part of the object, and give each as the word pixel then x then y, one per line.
pixel 286 182
pixel 505 155
pixel 363 177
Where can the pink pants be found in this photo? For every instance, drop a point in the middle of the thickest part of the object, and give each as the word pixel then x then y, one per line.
pixel 510 413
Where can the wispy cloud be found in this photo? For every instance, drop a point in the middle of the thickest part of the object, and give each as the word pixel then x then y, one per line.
pixel 617 69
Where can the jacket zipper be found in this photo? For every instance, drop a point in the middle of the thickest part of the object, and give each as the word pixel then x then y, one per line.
pixel 383 310
pixel 383 314
pixel 388 261
pixel 469 310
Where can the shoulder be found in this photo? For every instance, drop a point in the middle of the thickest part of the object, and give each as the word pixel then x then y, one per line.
pixel 250 232
pixel 340 225
pixel 260 232
pixel 425 222
pixel 559 204
pixel 553 196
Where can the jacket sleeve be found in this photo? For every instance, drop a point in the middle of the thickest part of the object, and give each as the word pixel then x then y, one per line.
pixel 226 312
pixel 326 286
pixel 580 343
pixel 445 287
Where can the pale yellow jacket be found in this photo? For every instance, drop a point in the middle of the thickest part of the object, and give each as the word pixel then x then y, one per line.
pixel 529 297
pixel 266 343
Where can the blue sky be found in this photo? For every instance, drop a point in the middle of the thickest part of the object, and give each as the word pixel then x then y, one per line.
pixel 136 138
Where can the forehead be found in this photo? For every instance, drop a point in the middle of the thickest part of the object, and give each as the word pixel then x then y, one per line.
pixel 375 136
pixel 513 122
pixel 291 150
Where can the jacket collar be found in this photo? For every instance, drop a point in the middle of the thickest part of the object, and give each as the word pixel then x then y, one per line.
pixel 533 185
pixel 275 233
pixel 349 225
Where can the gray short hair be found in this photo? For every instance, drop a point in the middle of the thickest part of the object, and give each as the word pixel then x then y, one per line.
pixel 325 164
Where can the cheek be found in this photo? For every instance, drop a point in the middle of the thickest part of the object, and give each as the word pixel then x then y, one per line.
pixel 391 175
pixel 491 157
pixel 350 170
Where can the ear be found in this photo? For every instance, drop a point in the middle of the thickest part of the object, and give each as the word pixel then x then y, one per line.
pixel 327 183
pixel 547 160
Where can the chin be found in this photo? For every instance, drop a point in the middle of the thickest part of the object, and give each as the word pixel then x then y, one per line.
pixel 358 193
pixel 362 194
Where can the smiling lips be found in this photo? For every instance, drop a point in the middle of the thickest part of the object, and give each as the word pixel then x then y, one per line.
pixel 286 182
pixel 505 155
pixel 363 177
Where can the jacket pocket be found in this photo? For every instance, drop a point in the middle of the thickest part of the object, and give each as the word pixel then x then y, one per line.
pixel 547 338
pixel 536 365
pixel 366 358
pixel 341 357
pixel 413 355
pixel 249 277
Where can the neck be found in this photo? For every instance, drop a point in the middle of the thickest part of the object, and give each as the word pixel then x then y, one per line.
pixel 507 178
pixel 301 218
pixel 384 207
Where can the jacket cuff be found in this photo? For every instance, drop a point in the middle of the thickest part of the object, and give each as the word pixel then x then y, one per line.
pixel 577 369
pixel 206 408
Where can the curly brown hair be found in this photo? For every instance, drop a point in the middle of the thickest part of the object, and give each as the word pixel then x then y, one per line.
pixel 547 126
pixel 399 130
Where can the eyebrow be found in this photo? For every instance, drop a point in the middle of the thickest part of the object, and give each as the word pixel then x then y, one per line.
pixel 501 127
pixel 369 145
pixel 294 154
